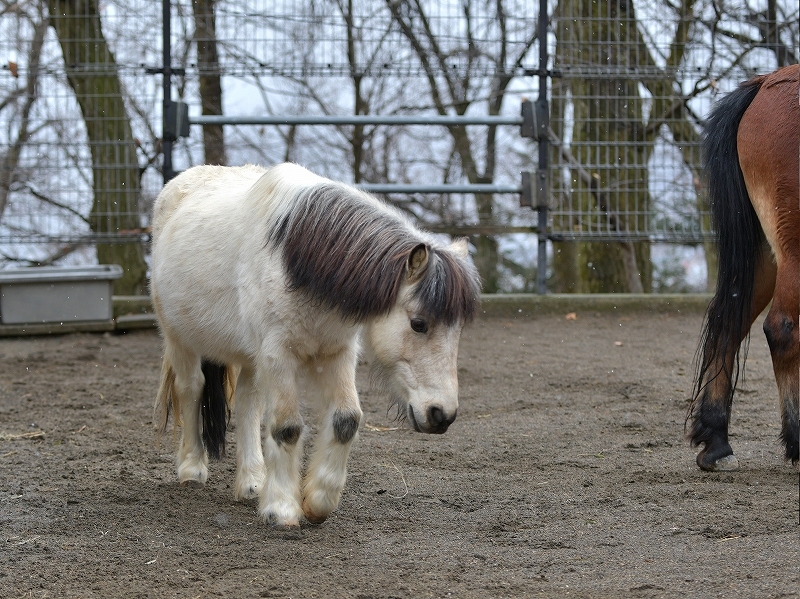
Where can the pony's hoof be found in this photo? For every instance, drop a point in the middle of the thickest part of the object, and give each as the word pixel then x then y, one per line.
pixel 247 489
pixel 192 484
pixel 281 516
pixel 728 463
pixel 311 516
pixel 281 523
pixel 246 494
pixel 192 473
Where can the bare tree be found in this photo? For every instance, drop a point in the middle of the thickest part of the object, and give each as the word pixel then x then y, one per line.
pixel 25 95
pixel 460 89
pixel 92 74
pixel 205 37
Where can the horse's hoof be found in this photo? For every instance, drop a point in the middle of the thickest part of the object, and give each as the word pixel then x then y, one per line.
pixel 193 473
pixel 281 515
pixel 247 490
pixel 728 463
pixel 311 516
pixel 193 484
pixel 281 523
pixel 246 494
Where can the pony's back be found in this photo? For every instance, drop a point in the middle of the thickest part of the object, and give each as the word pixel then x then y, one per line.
pixel 199 182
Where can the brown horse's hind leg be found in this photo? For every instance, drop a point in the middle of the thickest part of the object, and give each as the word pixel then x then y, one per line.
pixel 781 329
pixel 712 410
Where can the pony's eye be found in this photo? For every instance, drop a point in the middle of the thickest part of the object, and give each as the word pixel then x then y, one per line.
pixel 419 326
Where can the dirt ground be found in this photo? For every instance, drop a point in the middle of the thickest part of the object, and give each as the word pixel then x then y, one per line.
pixel 565 475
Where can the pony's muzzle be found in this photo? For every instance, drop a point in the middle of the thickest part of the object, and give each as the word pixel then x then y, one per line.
pixel 436 421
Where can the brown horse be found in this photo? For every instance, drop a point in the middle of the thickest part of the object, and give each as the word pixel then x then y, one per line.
pixel 752 141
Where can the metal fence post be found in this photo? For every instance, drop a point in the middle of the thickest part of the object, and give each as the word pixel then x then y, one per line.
pixel 543 121
pixel 166 78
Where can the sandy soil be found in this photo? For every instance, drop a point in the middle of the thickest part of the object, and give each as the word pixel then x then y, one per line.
pixel 565 475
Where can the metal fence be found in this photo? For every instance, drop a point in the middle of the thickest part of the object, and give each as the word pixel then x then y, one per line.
pixel 82 103
pixel 79 126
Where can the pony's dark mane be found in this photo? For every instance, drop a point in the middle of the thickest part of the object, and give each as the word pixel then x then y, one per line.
pixel 349 254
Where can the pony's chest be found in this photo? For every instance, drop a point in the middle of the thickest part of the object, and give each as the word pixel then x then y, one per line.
pixel 309 340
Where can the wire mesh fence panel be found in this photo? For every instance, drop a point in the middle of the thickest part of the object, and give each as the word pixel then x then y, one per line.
pixel 636 80
pixel 81 106
pixel 398 59
pixel 77 117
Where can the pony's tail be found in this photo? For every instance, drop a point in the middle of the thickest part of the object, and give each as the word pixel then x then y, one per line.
pixel 216 402
pixel 739 240
pixel 215 407
pixel 166 398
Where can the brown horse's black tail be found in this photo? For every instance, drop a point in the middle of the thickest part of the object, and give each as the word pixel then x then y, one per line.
pixel 739 240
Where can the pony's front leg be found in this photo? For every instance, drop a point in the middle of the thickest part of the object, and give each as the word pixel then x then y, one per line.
pixel 249 409
pixel 327 469
pixel 280 496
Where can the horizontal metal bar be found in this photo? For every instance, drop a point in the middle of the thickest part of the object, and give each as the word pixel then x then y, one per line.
pixel 448 120
pixel 443 188
pixel 629 236
pixel 456 230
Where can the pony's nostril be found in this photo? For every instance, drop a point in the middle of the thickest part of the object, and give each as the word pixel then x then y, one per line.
pixel 438 420
pixel 435 416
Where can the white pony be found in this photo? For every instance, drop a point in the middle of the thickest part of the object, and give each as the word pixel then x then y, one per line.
pixel 264 279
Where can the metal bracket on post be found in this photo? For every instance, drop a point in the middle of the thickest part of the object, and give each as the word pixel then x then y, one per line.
pixel 542 119
pixel 176 123
pixel 529 127
pixel 526 191
pixel 542 189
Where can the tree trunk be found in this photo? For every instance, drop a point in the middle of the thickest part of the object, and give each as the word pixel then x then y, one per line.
pixel 205 37
pixel 564 277
pixel 92 74
pixel 608 113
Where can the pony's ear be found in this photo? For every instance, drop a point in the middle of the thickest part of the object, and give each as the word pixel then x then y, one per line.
pixel 417 263
pixel 460 247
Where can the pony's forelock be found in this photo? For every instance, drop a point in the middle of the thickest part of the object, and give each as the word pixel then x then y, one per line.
pixel 449 291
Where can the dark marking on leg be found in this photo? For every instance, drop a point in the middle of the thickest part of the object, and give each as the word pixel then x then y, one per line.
pixel 287 434
pixel 779 335
pixel 790 430
pixel 345 425
pixel 710 428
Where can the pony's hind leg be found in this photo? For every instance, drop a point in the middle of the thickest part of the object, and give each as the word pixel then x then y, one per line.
pixel 249 409
pixel 192 459
pixel 341 416
pixel 279 502
pixel 781 329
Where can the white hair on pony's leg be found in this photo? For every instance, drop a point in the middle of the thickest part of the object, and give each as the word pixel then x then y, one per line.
pixel 249 409
pixel 192 459
pixel 340 417
pixel 280 497
pixel 276 381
